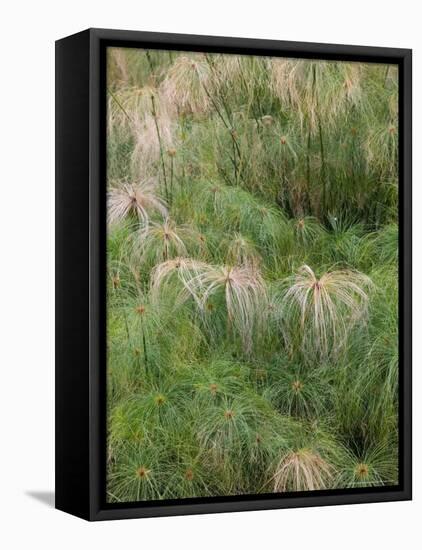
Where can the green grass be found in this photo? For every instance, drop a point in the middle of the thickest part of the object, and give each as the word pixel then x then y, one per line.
pixel 252 287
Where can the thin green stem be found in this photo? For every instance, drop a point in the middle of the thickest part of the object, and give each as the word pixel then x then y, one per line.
pixel 120 106
pixel 144 345
pixel 163 166
pixel 151 66
pixel 323 168
pixel 171 178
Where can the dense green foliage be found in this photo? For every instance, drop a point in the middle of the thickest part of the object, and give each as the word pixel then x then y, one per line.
pixel 252 275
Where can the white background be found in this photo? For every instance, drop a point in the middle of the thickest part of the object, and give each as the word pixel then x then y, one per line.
pixel 27 273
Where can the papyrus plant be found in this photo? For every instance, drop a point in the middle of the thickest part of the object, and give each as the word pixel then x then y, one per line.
pixel 241 288
pixel 319 312
pixel 303 470
pixel 139 200
pixel 186 84
pixel 161 241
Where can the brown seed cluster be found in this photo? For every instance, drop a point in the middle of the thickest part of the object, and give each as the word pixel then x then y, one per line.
pixel 142 472
pixel 189 474
pixel 362 470
pixel 160 400
pixel 116 281
pixel 297 386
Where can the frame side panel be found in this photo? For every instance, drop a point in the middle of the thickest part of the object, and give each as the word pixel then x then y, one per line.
pixel 405 318
pixel 72 283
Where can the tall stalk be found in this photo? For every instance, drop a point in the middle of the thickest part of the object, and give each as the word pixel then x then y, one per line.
pixel 228 125
pixel 126 326
pixel 171 177
pixel 151 66
pixel 323 168
pixel 387 70
pixel 144 345
pixel 154 114
pixel 321 141
pixel 308 162
pixel 235 162
pixel 141 312
pixel 120 106
pixel 309 140
pixel 284 178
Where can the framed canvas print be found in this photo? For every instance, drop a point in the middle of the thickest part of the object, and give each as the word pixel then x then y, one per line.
pixel 233 274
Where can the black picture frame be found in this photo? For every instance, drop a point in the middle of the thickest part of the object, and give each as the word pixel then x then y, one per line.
pixel 80 272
